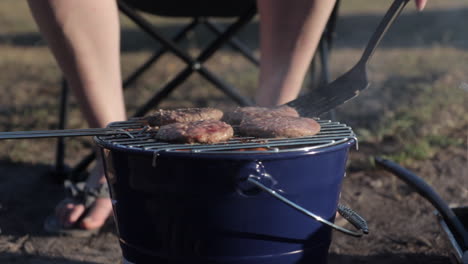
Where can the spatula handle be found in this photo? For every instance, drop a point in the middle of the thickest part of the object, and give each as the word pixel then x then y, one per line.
pixel 392 13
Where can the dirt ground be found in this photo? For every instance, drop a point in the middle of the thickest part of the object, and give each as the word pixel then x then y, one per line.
pixel 419 75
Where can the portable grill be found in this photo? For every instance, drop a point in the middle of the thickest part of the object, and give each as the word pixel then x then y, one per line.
pixel 218 203
pixel 222 203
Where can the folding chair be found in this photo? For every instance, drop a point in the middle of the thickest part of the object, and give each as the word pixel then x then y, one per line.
pixel 200 12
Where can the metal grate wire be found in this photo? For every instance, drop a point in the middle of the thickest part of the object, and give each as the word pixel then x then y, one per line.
pixel 331 133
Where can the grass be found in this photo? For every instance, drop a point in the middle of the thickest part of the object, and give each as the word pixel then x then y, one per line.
pixel 420 104
pixel 415 103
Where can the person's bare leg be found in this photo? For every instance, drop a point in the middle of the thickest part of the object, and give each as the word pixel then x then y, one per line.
pixel 84 38
pixel 289 35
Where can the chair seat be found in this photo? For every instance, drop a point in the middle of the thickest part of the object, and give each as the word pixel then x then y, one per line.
pixel 192 8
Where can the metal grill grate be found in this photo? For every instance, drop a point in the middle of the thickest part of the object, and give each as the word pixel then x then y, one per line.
pixel 331 133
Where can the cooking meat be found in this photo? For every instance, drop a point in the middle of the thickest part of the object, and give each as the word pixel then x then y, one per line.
pixel 242 113
pixel 164 117
pixel 278 127
pixel 204 131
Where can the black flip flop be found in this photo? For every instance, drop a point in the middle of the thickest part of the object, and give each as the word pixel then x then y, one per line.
pixel 52 226
pixel 77 193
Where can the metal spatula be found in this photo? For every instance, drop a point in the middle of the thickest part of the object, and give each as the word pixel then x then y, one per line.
pixel 347 86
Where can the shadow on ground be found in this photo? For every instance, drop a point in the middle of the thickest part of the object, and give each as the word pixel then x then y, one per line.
pixel 27 195
pixel 36 259
pixel 333 259
pixel 388 258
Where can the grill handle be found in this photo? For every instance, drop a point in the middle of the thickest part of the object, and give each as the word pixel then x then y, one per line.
pixel 348 214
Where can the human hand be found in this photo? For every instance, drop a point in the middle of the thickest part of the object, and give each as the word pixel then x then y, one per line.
pixel 420 4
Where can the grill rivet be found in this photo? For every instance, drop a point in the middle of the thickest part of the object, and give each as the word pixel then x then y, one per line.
pixel 196 66
pixel 155 157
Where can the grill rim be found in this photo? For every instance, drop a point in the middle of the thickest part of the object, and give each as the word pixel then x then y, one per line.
pixel 232 155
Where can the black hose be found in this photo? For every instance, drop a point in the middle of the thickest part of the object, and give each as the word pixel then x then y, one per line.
pixel 430 195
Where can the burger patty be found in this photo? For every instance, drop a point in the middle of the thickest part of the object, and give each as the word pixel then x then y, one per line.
pixel 278 127
pixel 164 117
pixel 204 131
pixel 243 113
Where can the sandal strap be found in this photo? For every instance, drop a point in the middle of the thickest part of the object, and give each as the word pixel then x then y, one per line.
pixel 84 194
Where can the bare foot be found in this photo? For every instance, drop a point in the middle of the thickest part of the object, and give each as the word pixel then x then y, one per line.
pixel 98 215
pixel 68 213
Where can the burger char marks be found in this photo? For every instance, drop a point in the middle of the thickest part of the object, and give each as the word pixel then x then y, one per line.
pixel 164 117
pixel 278 127
pixel 204 131
pixel 243 113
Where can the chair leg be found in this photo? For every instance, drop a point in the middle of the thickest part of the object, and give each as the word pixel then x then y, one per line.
pixel 329 36
pixel 60 172
pixel 331 25
pixel 77 171
pixel 163 92
pixel 314 72
pixel 234 43
pixel 145 66
pixel 326 75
